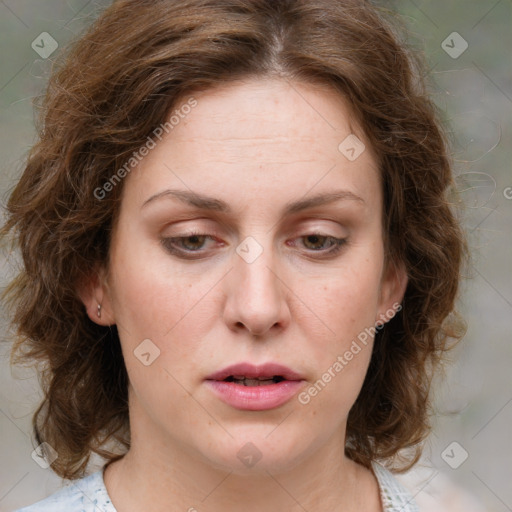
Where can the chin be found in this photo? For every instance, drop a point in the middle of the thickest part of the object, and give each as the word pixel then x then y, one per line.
pixel 260 450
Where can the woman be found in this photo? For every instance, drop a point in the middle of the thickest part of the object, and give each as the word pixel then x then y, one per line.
pixel 239 259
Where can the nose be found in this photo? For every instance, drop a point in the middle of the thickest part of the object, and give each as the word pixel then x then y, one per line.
pixel 256 296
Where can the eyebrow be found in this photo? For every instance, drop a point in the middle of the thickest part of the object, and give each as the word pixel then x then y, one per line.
pixel 210 203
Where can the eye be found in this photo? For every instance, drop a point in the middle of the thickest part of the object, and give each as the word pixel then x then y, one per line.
pixel 324 244
pixel 188 246
pixel 193 242
pixel 315 241
pixel 194 245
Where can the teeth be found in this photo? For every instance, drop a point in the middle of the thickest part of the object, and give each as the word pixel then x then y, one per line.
pixel 257 382
pixel 262 381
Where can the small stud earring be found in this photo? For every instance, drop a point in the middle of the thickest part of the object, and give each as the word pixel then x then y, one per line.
pixel 99 310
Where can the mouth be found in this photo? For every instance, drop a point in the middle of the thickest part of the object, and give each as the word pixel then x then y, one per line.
pixel 261 381
pixel 247 374
pixel 255 388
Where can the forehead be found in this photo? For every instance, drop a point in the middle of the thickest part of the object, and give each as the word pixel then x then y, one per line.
pixel 258 136
pixel 274 113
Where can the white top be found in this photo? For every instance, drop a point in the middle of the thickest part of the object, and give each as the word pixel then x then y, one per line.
pixel 89 494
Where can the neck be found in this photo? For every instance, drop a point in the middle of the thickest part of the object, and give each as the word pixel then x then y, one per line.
pixel 177 479
pixel 173 471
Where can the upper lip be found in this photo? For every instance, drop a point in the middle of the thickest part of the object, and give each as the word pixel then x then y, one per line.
pixel 251 371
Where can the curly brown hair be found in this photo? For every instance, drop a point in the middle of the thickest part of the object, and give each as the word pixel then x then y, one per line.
pixel 115 85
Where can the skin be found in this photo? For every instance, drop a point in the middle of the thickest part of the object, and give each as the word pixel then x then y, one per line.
pixel 256 145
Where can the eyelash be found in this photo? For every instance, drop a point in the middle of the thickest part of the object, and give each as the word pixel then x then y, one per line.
pixel 336 244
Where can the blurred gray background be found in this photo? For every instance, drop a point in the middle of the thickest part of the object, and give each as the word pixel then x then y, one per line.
pixel 467 464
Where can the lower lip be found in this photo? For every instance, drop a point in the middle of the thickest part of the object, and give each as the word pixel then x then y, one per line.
pixel 255 398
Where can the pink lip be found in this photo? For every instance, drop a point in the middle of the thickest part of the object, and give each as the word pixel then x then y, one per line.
pixel 255 398
pixel 252 372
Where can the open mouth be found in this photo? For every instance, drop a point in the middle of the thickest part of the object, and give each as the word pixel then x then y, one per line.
pixel 250 387
pixel 260 381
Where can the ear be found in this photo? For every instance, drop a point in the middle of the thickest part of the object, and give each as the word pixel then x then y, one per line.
pixel 94 291
pixel 392 290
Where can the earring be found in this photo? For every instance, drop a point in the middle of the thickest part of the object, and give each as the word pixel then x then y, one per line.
pixel 99 310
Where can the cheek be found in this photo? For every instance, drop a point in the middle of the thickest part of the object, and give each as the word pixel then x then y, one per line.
pixel 345 302
pixel 342 356
pixel 174 313
pixel 152 301
pixel 347 305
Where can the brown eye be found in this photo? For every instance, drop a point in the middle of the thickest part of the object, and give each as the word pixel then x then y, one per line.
pixel 193 242
pixel 319 246
pixel 315 242
pixel 189 246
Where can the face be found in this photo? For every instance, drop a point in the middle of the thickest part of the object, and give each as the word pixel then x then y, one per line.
pixel 247 236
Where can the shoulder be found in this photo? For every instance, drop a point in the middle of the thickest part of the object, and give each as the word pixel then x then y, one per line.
pixel 85 495
pixel 395 497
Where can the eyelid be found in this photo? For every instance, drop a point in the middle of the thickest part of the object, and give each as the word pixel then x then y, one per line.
pixel 165 242
pixel 334 248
